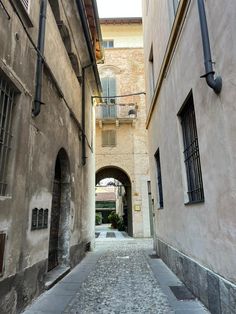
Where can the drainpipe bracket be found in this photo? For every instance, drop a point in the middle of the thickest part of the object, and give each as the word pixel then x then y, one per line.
pixel 205 75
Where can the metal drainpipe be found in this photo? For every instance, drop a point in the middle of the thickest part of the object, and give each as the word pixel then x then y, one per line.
pixel 83 119
pixel 214 83
pixel 40 62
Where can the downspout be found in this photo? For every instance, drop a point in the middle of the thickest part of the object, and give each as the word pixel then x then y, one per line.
pixel 83 118
pixel 214 83
pixel 83 113
pixel 40 61
pixel 81 9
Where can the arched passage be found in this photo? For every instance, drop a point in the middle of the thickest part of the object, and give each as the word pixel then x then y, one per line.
pixel 121 176
pixel 59 238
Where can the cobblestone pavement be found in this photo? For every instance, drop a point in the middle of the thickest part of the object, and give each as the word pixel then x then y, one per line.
pixel 118 277
pixel 121 282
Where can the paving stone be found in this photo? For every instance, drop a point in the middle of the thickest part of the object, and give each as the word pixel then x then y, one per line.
pixel 121 282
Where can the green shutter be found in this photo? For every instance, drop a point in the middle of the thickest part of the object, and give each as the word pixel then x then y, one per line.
pixel 105 82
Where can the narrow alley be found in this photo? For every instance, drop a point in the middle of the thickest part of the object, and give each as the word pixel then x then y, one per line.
pixel 117 157
pixel 122 275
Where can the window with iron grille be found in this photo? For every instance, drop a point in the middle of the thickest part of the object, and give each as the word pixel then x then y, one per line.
pixel 109 138
pixel 7 96
pixel 159 178
pixel 25 4
pixel 191 152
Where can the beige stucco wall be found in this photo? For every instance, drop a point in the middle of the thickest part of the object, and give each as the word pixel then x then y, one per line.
pixel 130 153
pixel 206 231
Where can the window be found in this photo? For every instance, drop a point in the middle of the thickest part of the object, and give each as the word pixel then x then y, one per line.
pixel 191 152
pixel 26 4
pixel 108 43
pixel 6 108
pixel 109 138
pixel 159 179
pixel 109 88
pixel 175 5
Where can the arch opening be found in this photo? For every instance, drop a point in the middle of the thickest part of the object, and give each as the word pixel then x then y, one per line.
pixel 122 193
pixel 59 238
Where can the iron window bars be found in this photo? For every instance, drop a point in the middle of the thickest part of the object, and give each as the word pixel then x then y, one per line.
pixel 191 152
pixel 26 4
pixel 7 95
pixel 159 178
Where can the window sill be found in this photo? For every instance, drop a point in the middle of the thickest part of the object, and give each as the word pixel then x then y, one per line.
pixel 23 13
pixel 194 203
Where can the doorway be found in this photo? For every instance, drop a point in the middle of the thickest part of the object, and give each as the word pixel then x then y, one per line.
pixel 120 176
pixel 59 238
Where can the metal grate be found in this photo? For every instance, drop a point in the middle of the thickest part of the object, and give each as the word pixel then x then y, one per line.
pixel 191 152
pixel 154 256
pixel 39 219
pixel 182 293
pixel 26 4
pixel 6 108
pixel 110 235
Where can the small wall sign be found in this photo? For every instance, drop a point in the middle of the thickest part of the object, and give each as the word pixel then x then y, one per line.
pixel 137 208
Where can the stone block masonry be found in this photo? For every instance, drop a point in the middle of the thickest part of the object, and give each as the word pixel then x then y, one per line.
pixel 216 293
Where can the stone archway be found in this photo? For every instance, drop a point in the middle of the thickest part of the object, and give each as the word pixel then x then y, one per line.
pixel 59 238
pixel 120 175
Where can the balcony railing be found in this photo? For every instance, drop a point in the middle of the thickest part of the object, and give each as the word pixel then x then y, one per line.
pixel 112 112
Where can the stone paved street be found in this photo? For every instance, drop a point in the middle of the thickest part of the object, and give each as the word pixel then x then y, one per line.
pixel 122 282
pixel 118 277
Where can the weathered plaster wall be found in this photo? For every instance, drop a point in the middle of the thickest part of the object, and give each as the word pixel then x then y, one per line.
pixel 204 232
pixel 36 143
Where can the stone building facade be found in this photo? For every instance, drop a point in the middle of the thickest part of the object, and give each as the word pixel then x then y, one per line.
pixel 191 131
pixel 121 139
pixel 48 73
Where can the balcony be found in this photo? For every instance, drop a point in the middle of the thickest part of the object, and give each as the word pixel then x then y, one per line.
pixel 116 113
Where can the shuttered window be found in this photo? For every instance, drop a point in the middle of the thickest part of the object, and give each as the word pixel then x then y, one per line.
pixel 6 109
pixel 25 4
pixel 191 152
pixel 108 89
pixel 109 138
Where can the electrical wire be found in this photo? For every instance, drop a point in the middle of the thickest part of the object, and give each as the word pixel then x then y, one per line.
pixel 120 96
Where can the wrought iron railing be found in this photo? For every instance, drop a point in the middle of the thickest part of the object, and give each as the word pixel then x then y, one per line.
pixel 106 111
